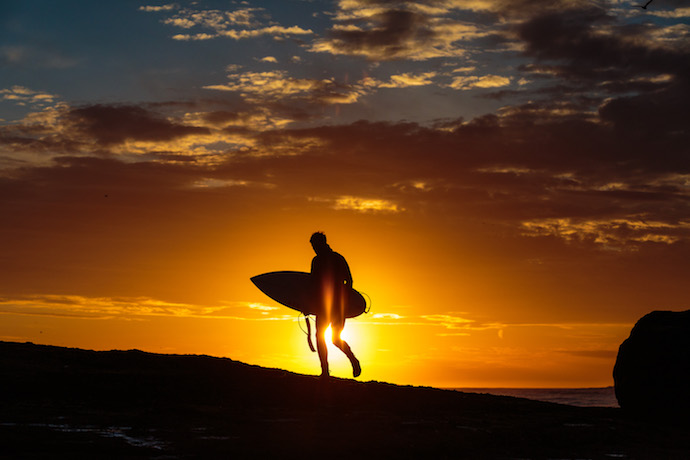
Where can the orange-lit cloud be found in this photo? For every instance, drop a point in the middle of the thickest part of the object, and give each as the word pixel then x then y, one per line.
pixel 406 80
pixel 365 204
pixel 239 24
pixel 486 81
pixel 277 84
pixel 22 95
pixel 618 234
pixel 102 308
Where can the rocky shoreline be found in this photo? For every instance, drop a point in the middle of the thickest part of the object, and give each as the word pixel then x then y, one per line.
pixel 70 403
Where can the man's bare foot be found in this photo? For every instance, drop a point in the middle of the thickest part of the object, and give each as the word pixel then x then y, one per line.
pixel 356 368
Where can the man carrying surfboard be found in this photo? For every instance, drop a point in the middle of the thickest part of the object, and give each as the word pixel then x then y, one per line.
pixel 332 282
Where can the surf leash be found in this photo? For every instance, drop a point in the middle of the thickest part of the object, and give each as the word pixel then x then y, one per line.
pixel 311 346
pixel 368 307
pixel 308 331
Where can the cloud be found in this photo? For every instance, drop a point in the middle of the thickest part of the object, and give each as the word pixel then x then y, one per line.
pixel 408 79
pixel 612 234
pixel 601 144
pixel 676 13
pixel 381 31
pixel 116 124
pixel 591 45
pixel 272 85
pixel 239 24
pixel 133 308
pixel 486 81
pixel 23 96
pixel 211 183
pixel 249 120
pixel 387 316
pixel 541 168
pixel 449 321
pixel 365 204
pixel 168 7
pixel 195 37
pixel 277 85
pixel 360 204
pixel 151 132
pixel 533 162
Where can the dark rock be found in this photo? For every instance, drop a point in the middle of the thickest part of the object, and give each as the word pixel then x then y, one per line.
pixel 652 370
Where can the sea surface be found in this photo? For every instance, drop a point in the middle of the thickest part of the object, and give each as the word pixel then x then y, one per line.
pixel 583 397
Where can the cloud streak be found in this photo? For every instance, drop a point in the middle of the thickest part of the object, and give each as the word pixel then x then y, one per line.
pixel 138 308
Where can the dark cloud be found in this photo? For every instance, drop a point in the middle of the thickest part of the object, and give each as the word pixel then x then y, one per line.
pixel 529 163
pixel 115 124
pixel 546 159
pixel 670 4
pixel 220 117
pixel 40 139
pixel 390 33
pixel 592 45
pixel 394 33
pixel 659 116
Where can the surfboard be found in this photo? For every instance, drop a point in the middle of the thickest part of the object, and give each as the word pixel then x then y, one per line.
pixel 294 290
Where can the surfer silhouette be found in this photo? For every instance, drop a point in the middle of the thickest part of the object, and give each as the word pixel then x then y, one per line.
pixel 332 282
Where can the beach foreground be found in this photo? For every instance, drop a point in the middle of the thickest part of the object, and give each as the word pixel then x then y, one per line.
pixel 71 403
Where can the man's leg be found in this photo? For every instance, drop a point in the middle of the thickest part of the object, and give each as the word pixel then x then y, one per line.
pixel 336 330
pixel 321 326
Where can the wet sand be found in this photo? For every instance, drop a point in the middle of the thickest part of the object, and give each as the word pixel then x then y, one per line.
pixel 69 403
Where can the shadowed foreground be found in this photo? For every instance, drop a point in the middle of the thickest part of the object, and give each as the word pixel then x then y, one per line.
pixel 59 402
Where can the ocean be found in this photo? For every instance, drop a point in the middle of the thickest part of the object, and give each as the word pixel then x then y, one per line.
pixel 583 397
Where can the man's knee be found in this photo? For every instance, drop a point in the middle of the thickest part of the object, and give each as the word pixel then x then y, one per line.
pixel 338 340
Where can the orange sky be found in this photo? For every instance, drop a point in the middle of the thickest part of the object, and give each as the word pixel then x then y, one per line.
pixel 509 185
pixel 447 310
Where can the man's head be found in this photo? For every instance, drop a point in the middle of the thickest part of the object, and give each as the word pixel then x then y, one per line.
pixel 318 242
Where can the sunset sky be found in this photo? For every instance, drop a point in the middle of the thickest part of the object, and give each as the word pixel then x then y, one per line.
pixel 509 180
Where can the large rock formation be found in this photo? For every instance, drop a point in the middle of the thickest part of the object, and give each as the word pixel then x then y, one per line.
pixel 652 371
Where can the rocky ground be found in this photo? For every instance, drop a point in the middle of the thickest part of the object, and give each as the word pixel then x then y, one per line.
pixel 69 403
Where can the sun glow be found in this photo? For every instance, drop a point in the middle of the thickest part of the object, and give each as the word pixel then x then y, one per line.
pixel 346 334
pixel 329 337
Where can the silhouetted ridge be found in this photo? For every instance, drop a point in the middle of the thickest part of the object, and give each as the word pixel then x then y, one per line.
pixel 70 403
pixel 147 378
